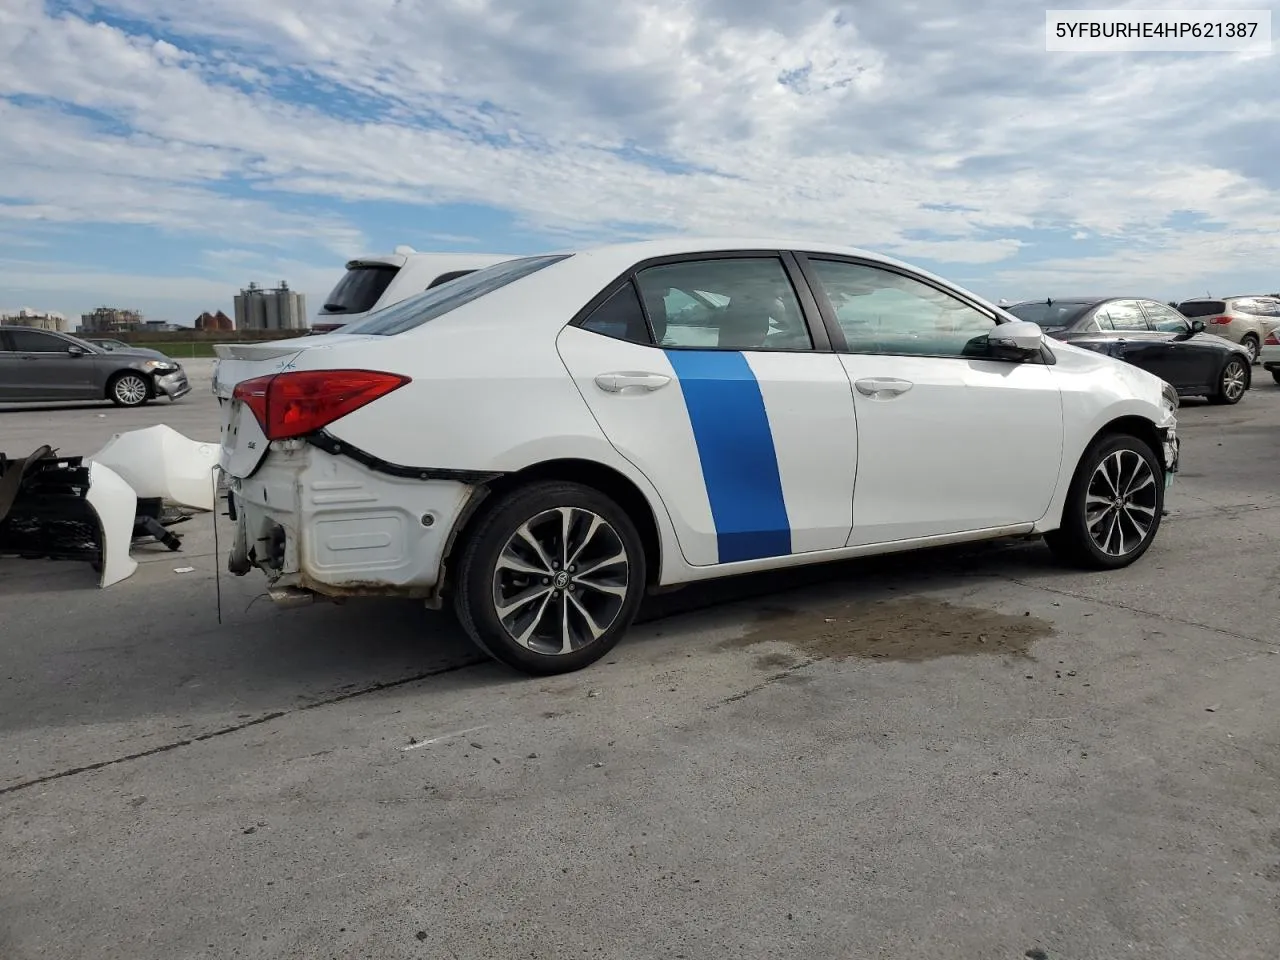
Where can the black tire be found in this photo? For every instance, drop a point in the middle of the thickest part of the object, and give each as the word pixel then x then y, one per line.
pixel 1275 374
pixel 1072 543
pixel 1228 393
pixel 479 581
pixel 129 389
pixel 1253 345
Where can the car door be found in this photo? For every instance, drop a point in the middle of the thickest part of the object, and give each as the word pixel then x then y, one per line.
pixel 949 440
pixel 737 411
pixel 1136 341
pixel 48 369
pixel 9 364
pixel 1184 363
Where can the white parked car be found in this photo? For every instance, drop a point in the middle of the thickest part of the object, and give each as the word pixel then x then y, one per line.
pixel 1270 353
pixel 371 283
pixel 544 440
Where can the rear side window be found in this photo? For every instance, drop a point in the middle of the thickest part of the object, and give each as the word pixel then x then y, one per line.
pixel 621 317
pixel 1202 308
pixel 32 341
pixel 427 306
pixel 360 288
pixel 1126 315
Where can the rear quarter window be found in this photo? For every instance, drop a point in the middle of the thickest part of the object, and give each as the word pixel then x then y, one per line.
pixel 359 289
pixel 1202 308
pixel 436 302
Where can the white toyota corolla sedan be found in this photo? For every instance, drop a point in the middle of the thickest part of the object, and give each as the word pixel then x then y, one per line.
pixel 543 441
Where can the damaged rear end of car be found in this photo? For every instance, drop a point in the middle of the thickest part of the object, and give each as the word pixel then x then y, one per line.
pixel 322 518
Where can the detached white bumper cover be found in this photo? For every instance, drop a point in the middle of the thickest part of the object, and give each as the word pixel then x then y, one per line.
pixel 160 462
pixel 62 508
pixel 324 523
pixel 115 504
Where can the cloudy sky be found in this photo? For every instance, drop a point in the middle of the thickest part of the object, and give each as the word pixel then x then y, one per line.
pixel 161 155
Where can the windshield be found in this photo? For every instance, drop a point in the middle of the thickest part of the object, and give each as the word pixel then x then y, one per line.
pixel 1050 315
pixel 1202 308
pixel 359 289
pixel 438 301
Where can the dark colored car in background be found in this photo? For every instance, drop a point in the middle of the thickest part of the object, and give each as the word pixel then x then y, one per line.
pixel 39 366
pixel 1150 335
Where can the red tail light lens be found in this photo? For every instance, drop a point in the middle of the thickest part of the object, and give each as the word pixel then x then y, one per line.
pixel 294 404
pixel 1221 320
pixel 1273 338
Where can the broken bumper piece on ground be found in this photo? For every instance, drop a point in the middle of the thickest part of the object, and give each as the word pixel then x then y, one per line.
pixel 161 463
pixel 61 508
pixel 94 509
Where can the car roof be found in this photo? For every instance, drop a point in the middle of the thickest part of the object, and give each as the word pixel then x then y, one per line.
pixel 620 257
pixel 1088 300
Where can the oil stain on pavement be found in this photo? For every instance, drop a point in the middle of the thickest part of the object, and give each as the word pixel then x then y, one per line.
pixel 905 629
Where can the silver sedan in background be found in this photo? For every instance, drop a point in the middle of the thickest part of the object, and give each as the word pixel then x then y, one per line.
pixel 40 366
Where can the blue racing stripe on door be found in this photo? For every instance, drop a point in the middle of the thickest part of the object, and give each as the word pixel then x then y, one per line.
pixel 735 447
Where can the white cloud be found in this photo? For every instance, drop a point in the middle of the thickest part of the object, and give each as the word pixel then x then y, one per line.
pixel 936 130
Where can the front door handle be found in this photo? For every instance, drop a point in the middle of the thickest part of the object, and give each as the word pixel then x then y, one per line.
pixel 620 382
pixel 882 386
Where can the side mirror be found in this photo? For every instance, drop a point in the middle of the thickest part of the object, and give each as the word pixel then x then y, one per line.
pixel 75 351
pixel 1197 326
pixel 1015 341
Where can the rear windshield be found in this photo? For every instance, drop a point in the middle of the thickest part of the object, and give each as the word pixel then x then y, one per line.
pixel 438 301
pixel 360 289
pixel 1202 308
pixel 1057 315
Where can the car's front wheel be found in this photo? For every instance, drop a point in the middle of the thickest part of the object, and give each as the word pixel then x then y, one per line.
pixel 1233 381
pixel 129 390
pixel 550 578
pixel 1113 507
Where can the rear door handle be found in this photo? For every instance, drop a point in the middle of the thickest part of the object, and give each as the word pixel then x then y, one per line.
pixel 882 386
pixel 619 382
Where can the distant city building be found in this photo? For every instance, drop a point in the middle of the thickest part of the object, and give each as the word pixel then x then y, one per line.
pixel 39 319
pixel 111 320
pixel 161 326
pixel 276 309
pixel 214 321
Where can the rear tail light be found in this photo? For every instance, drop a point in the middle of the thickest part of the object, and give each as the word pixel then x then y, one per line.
pixel 294 404
pixel 1220 320
pixel 1273 338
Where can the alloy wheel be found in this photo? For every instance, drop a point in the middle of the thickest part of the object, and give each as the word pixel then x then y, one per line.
pixel 1251 345
pixel 1120 504
pixel 561 580
pixel 1234 379
pixel 130 390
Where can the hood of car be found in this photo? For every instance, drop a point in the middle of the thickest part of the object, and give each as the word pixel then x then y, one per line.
pixel 139 353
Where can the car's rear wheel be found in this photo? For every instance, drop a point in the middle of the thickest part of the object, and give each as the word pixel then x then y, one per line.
pixel 1275 374
pixel 551 578
pixel 1250 343
pixel 1113 507
pixel 129 390
pixel 1233 381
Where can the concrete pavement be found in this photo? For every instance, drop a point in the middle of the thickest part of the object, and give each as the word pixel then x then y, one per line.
pixel 966 754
